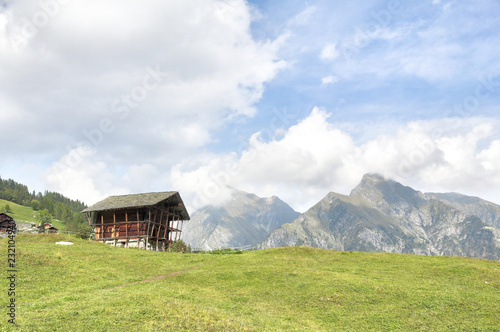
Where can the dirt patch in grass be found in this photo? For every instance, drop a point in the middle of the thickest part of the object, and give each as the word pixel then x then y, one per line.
pixel 170 275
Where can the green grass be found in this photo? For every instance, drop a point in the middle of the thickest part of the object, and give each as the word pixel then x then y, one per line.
pixel 19 212
pixel 94 287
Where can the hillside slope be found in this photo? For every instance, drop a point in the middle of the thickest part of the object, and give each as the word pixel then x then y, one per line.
pixel 25 217
pixel 19 212
pixel 90 286
pixel 383 215
pixel 243 221
pixel 486 211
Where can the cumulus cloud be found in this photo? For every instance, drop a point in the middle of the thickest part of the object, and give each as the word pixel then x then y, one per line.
pixel 141 86
pixel 83 65
pixel 314 157
pixel 81 178
pixel 89 177
pixel 138 96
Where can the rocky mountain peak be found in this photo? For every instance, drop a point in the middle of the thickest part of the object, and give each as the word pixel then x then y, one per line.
pixel 384 215
pixel 377 190
pixel 243 220
pixel 368 182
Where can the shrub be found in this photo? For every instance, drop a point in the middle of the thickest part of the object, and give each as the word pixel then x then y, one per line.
pixel 226 251
pixel 180 246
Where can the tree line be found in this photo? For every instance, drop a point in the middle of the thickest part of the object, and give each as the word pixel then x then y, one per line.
pixel 51 203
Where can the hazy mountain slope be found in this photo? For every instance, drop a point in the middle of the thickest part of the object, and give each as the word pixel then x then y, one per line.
pixel 383 215
pixel 245 220
pixel 487 211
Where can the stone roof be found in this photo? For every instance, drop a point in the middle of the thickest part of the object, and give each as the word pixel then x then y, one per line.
pixel 139 201
pixel 4 216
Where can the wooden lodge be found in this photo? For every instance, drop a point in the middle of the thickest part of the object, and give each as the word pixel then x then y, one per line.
pixel 151 221
pixel 6 222
pixel 48 228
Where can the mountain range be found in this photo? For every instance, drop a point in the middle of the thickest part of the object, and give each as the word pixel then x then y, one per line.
pixel 379 215
pixel 386 216
pixel 243 221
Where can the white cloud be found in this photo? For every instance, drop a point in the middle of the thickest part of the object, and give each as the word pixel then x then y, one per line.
pixel 80 62
pixel 490 157
pixel 314 157
pixel 141 83
pixel 329 80
pixel 329 52
pixel 189 68
pixel 81 178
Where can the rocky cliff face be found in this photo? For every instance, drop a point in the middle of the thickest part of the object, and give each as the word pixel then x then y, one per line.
pixel 486 211
pixel 243 221
pixel 384 215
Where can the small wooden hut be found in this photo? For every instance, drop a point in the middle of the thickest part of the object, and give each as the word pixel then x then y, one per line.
pixel 48 228
pixel 6 222
pixel 150 221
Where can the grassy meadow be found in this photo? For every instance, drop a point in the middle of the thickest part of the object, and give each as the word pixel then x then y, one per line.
pixel 25 213
pixel 90 286
pixel 19 212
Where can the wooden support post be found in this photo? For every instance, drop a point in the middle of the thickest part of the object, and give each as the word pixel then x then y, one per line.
pixel 165 234
pixel 114 224
pixel 167 221
pixel 169 233
pixel 138 234
pixel 161 218
pixel 166 228
pixel 102 227
pixel 153 230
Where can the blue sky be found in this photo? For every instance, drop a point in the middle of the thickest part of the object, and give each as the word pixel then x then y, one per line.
pixel 426 58
pixel 287 98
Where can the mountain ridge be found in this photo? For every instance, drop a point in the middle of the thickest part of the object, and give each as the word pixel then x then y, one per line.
pixel 242 221
pixel 384 215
